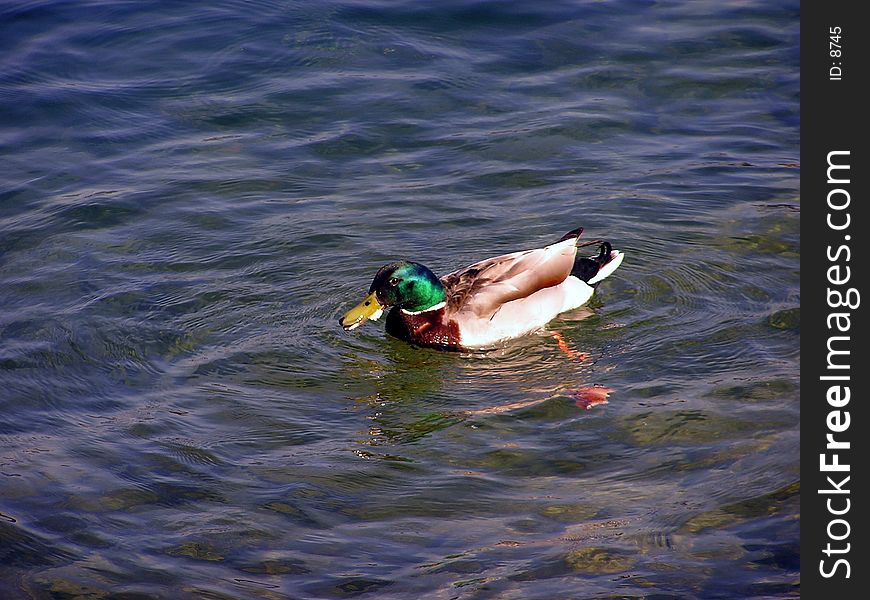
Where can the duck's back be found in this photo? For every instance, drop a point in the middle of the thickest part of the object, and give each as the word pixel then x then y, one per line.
pixel 483 288
pixel 511 295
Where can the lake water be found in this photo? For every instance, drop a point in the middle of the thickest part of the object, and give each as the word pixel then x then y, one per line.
pixel 192 193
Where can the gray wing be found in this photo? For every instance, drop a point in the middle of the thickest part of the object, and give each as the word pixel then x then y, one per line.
pixel 484 287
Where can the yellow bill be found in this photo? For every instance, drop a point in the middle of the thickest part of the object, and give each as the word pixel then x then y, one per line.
pixel 369 308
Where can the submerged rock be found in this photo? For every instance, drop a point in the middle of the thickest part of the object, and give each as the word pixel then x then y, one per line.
pixel 789 318
pixel 596 561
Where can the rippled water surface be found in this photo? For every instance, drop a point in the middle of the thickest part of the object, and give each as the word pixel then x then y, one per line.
pixel 192 193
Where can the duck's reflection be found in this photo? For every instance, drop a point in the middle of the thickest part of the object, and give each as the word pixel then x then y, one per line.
pixel 412 392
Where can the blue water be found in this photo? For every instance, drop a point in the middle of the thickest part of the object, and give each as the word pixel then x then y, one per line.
pixel 192 193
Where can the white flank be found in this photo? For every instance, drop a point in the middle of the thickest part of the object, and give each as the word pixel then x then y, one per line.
pixel 528 314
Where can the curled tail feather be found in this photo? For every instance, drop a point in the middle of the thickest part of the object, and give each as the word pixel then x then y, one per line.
pixel 594 269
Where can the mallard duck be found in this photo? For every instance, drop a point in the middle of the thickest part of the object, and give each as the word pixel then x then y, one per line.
pixel 488 302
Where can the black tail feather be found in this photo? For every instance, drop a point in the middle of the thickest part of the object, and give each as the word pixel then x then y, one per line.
pixel 574 233
pixel 586 268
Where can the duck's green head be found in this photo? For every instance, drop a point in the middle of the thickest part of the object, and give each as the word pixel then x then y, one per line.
pixel 410 286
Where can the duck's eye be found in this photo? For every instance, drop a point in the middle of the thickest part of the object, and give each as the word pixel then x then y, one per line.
pixel 394 282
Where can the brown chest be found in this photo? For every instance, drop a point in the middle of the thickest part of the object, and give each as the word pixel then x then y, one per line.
pixel 424 329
